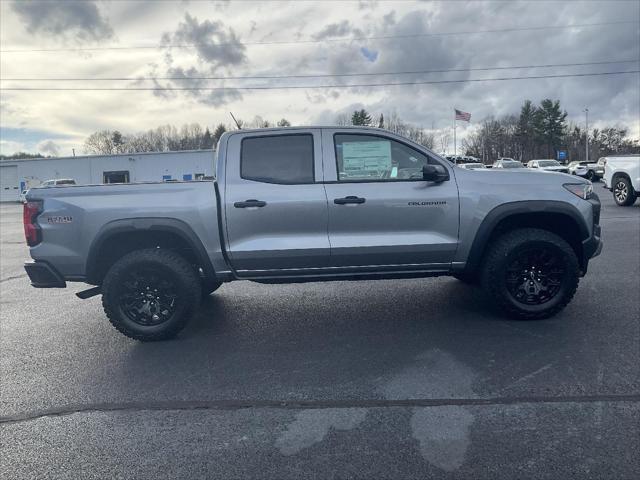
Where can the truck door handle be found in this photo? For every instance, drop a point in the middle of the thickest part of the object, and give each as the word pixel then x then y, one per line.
pixel 349 199
pixel 250 203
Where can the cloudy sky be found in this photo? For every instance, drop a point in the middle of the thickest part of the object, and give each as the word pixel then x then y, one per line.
pixel 90 40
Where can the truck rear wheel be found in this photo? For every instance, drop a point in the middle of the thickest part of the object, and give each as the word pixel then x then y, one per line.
pixel 151 294
pixel 531 273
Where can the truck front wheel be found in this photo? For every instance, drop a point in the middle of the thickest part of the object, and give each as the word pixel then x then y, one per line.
pixel 210 286
pixel 623 192
pixel 151 294
pixel 531 273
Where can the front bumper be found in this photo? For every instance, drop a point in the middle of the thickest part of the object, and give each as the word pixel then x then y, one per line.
pixel 43 275
pixel 592 246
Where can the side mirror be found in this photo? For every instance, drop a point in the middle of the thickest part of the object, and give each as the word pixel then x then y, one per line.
pixel 434 173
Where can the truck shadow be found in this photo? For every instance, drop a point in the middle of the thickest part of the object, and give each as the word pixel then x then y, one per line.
pixel 310 340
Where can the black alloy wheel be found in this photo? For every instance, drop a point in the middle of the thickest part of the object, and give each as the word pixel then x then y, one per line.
pixel 148 297
pixel 536 276
pixel 151 294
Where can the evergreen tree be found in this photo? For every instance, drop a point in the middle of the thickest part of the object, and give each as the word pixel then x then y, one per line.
pixel 361 117
pixel 207 140
pixel 217 133
pixel 550 124
pixel 284 123
pixel 381 121
pixel 525 130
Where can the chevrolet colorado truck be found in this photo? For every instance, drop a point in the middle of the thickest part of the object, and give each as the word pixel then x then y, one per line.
pixel 313 204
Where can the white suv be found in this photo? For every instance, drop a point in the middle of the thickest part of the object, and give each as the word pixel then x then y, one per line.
pixel 622 177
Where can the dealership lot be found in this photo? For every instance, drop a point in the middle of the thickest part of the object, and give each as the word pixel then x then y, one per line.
pixel 384 379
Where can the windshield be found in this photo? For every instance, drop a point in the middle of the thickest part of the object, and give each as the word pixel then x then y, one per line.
pixel 548 163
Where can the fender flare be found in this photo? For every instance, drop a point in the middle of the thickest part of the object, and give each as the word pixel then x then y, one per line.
pixel 504 211
pixel 147 224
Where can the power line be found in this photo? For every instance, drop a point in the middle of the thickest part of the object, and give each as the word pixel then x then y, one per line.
pixel 272 77
pixel 325 40
pixel 289 87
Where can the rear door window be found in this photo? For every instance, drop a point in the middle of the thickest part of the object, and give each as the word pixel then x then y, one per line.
pixel 284 159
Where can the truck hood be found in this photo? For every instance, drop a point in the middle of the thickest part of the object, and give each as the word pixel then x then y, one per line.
pixel 522 176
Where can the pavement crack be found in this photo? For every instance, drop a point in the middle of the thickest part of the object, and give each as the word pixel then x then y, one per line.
pixel 177 405
pixel 15 277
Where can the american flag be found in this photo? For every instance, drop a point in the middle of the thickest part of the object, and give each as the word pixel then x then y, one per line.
pixel 460 115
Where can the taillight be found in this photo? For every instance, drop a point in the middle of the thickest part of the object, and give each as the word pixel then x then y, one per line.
pixel 32 232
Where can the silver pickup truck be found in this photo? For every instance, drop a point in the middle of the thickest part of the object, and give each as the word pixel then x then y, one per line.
pixel 313 204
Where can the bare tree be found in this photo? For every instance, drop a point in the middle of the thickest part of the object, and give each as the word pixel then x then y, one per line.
pixel 343 120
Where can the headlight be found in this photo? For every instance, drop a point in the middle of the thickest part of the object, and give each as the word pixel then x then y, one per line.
pixel 582 190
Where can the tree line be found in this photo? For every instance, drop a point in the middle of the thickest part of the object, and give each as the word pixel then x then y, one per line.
pixel 539 132
pixel 168 138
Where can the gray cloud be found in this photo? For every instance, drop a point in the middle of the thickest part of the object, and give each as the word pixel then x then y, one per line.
pixel 217 48
pixel 367 4
pixel 339 29
pixel 389 19
pixel 215 44
pixel 80 21
pixel 615 98
pixel 49 147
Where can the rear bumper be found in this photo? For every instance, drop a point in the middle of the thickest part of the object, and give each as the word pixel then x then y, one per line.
pixel 43 275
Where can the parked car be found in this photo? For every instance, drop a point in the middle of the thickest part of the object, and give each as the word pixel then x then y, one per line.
pixel 23 196
pixel 58 181
pixel 590 170
pixel 576 168
pixel 622 177
pixel 472 166
pixel 507 163
pixel 548 165
pixel 282 209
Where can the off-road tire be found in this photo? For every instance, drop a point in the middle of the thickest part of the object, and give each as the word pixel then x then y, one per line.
pixel 209 286
pixel 187 284
pixel 505 249
pixel 631 193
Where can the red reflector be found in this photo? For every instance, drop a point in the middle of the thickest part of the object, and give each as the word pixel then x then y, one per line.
pixel 32 231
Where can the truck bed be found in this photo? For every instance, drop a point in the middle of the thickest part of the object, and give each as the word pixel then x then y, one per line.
pixel 73 216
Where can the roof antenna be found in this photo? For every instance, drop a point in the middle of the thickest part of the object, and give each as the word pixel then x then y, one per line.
pixel 234 119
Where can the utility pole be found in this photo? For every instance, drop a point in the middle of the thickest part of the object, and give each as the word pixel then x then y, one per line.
pixel 586 134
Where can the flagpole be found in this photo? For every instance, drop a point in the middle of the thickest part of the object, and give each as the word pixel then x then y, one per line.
pixel 455 153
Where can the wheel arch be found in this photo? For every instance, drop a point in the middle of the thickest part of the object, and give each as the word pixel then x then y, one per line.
pixel 618 174
pixel 557 217
pixel 119 237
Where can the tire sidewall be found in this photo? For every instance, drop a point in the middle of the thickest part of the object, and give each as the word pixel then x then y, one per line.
pixel 630 193
pixel 568 281
pixel 112 290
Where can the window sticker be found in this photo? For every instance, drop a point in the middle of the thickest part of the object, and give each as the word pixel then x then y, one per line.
pixel 366 157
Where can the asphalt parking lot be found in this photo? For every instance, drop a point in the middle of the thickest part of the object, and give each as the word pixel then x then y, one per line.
pixel 381 379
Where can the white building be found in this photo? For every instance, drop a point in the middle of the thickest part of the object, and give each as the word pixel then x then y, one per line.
pixel 19 175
